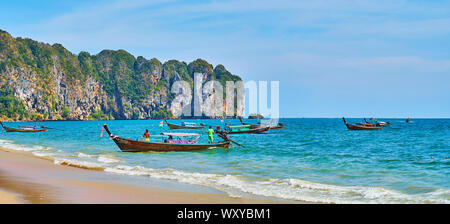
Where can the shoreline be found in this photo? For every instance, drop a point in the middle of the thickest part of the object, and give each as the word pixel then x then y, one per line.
pixel 28 179
pixel 8 198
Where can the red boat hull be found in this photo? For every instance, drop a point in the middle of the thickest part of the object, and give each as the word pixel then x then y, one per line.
pixel 128 145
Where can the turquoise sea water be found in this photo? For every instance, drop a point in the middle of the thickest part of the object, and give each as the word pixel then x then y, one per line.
pixel 313 160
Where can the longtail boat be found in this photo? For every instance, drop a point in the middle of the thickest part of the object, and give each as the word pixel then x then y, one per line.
pixel 184 125
pixel 8 129
pixel 378 123
pixel 129 145
pixel 246 129
pixel 263 125
pixel 360 127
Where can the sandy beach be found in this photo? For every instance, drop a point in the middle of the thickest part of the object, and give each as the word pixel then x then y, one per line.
pixel 8 198
pixel 25 178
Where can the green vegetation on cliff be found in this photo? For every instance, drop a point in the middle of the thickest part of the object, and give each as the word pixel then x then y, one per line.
pixel 10 106
pixel 98 115
pixel 65 113
pixel 162 113
pixel 43 81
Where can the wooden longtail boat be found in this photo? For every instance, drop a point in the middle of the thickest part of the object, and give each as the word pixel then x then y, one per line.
pixel 263 125
pixel 129 145
pixel 246 129
pixel 174 126
pixel 360 127
pixel 8 129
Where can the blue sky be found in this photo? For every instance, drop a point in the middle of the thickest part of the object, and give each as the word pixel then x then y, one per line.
pixel 332 58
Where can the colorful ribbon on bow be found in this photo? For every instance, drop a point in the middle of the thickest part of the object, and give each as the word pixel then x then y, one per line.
pixel 101 133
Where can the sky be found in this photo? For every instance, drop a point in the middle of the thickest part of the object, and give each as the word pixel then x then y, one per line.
pixel 352 58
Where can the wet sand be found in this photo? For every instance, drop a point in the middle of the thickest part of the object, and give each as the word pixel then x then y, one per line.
pixel 8 198
pixel 25 178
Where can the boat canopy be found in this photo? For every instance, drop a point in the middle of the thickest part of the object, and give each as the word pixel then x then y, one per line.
pixel 181 134
pixel 189 124
pixel 240 126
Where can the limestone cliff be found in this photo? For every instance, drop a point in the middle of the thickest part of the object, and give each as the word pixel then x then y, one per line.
pixel 41 81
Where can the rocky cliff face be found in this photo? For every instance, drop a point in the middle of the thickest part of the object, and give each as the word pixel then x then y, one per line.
pixel 41 81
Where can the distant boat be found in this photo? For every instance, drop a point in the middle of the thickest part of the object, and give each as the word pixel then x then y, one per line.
pixel 184 125
pixel 33 129
pixel 361 126
pixel 263 125
pixel 246 129
pixel 129 145
pixel 378 123
pixel 408 120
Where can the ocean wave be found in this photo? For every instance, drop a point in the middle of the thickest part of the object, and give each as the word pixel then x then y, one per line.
pixel 44 155
pixel 107 159
pixel 18 147
pixel 239 186
pixel 82 155
pixel 79 164
pixel 291 189
pixel 5 141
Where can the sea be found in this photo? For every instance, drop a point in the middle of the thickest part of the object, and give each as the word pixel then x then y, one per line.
pixel 310 160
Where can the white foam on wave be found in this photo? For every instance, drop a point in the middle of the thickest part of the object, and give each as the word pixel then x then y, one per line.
pixel 36 150
pixel 82 155
pixel 326 193
pixel 107 159
pixel 43 154
pixel 128 170
pixel 85 161
pixel 18 147
pixel 291 189
pixel 5 141
pixel 79 164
